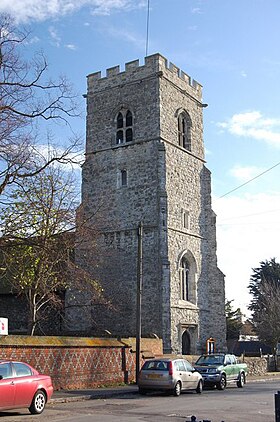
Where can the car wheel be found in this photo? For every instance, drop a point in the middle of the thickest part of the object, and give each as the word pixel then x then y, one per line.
pixel 240 383
pixel 38 403
pixel 177 389
pixel 199 387
pixel 221 385
pixel 142 391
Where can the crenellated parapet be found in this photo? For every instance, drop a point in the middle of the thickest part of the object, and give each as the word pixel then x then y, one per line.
pixel 155 65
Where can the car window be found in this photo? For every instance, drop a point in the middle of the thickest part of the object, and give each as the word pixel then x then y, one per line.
pixel 210 360
pixel 188 366
pixel 228 360
pixel 6 370
pixel 22 370
pixel 232 360
pixel 156 365
pixel 179 365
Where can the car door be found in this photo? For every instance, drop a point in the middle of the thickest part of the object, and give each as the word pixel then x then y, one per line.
pixel 181 373
pixel 235 368
pixel 25 384
pixel 229 369
pixel 191 375
pixel 7 386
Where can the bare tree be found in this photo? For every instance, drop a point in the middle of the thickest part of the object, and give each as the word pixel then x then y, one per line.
pixel 28 97
pixel 38 241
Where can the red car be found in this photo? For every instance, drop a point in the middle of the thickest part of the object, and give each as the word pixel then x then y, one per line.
pixel 23 386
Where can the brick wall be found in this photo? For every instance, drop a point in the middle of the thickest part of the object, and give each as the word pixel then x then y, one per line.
pixel 75 363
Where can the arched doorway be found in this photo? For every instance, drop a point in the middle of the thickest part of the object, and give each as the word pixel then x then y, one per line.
pixel 186 343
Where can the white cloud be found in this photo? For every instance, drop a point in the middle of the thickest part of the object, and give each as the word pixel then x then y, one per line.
pixel 77 158
pixel 39 10
pixel 54 36
pixel 253 124
pixel 243 174
pixel 248 231
pixel 33 40
pixel 71 46
pixel 196 10
pixel 125 35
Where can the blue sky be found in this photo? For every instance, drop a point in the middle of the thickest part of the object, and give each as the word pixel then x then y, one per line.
pixel 232 49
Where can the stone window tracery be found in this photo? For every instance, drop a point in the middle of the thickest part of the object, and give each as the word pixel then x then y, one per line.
pixel 184 130
pixel 124 127
pixel 184 279
pixel 187 285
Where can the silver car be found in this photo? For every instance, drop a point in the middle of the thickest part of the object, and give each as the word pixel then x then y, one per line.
pixel 169 374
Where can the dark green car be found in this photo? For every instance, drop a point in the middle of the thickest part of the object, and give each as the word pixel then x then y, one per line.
pixel 219 369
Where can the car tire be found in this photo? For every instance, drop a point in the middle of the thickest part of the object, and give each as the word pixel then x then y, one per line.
pixel 142 391
pixel 221 385
pixel 199 387
pixel 240 383
pixel 177 389
pixel 38 403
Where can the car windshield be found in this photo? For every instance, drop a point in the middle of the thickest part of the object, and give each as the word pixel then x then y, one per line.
pixel 210 360
pixel 158 365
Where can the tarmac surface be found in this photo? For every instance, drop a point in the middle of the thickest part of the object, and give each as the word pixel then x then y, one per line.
pixel 64 396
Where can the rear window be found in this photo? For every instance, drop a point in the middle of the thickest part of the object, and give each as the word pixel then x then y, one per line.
pixel 159 365
pixel 22 370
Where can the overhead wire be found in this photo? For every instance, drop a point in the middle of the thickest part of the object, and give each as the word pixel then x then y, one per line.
pixel 248 181
pixel 147 27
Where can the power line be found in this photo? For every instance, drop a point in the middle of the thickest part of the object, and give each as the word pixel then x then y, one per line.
pixel 147 29
pixel 251 215
pixel 254 178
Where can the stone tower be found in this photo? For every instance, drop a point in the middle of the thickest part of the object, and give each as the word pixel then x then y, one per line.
pixel 145 162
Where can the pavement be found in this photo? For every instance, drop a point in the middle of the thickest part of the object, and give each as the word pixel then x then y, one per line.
pixel 65 396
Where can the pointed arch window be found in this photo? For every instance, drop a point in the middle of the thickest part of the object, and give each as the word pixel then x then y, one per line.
pixel 119 137
pixel 184 279
pixel 120 121
pixel 123 178
pixel 128 119
pixel 184 130
pixel 124 131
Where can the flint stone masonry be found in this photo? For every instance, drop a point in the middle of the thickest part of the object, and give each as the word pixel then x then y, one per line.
pixel 164 181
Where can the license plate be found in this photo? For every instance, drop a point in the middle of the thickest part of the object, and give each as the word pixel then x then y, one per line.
pixel 154 376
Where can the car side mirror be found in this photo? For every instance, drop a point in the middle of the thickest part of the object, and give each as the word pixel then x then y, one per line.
pixel 1 377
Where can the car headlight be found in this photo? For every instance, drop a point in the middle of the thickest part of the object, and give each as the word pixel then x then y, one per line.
pixel 213 371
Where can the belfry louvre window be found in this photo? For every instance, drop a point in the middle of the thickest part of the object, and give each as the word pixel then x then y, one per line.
pixel 184 130
pixel 124 127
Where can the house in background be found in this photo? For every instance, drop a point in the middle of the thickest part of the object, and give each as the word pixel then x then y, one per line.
pixel 248 343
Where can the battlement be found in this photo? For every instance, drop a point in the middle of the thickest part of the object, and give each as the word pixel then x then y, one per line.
pixel 154 63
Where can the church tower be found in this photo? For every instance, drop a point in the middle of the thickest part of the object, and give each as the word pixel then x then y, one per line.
pixel 145 163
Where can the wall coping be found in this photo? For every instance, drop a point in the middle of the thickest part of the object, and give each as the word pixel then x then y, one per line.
pixel 60 341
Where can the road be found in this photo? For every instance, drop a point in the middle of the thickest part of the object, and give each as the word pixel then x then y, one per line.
pixel 253 403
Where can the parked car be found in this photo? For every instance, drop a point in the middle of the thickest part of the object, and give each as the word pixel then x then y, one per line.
pixel 219 369
pixel 23 386
pixel 169 374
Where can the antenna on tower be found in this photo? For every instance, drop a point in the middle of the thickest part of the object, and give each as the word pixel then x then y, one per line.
pixel 148 21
